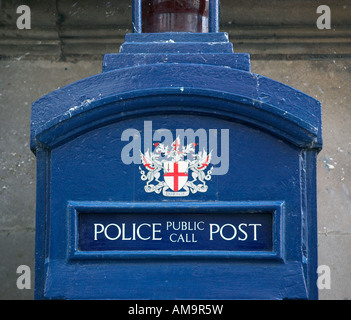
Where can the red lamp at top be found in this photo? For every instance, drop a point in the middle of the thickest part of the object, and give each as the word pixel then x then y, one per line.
pixel 175 16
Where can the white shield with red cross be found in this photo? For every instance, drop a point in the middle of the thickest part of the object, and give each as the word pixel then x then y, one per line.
pixel 175 174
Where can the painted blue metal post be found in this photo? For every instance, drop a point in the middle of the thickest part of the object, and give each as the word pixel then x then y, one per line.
pixel 137 16
pixel 214 16
pixel 176 173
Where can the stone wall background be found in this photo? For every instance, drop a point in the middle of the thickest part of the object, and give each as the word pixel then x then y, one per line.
pixel 66 43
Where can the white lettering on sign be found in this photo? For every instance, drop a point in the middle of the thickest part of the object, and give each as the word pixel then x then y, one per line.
pixel 113 231
pixel 176 231
pixel 185 225
pixel 229 231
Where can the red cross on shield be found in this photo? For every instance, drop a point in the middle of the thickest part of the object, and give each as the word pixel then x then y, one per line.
pixel 175 174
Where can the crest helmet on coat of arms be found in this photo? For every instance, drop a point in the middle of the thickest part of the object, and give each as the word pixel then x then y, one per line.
pixel 184 171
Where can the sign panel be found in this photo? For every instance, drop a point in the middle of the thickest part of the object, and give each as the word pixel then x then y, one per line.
pixel 121 231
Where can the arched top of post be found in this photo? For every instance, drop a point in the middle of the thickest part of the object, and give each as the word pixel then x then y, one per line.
pixel 208 90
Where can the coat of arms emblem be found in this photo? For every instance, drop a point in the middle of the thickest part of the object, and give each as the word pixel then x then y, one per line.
pixel 183 170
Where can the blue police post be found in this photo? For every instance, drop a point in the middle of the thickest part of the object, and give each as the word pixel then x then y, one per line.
pixel 176 173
